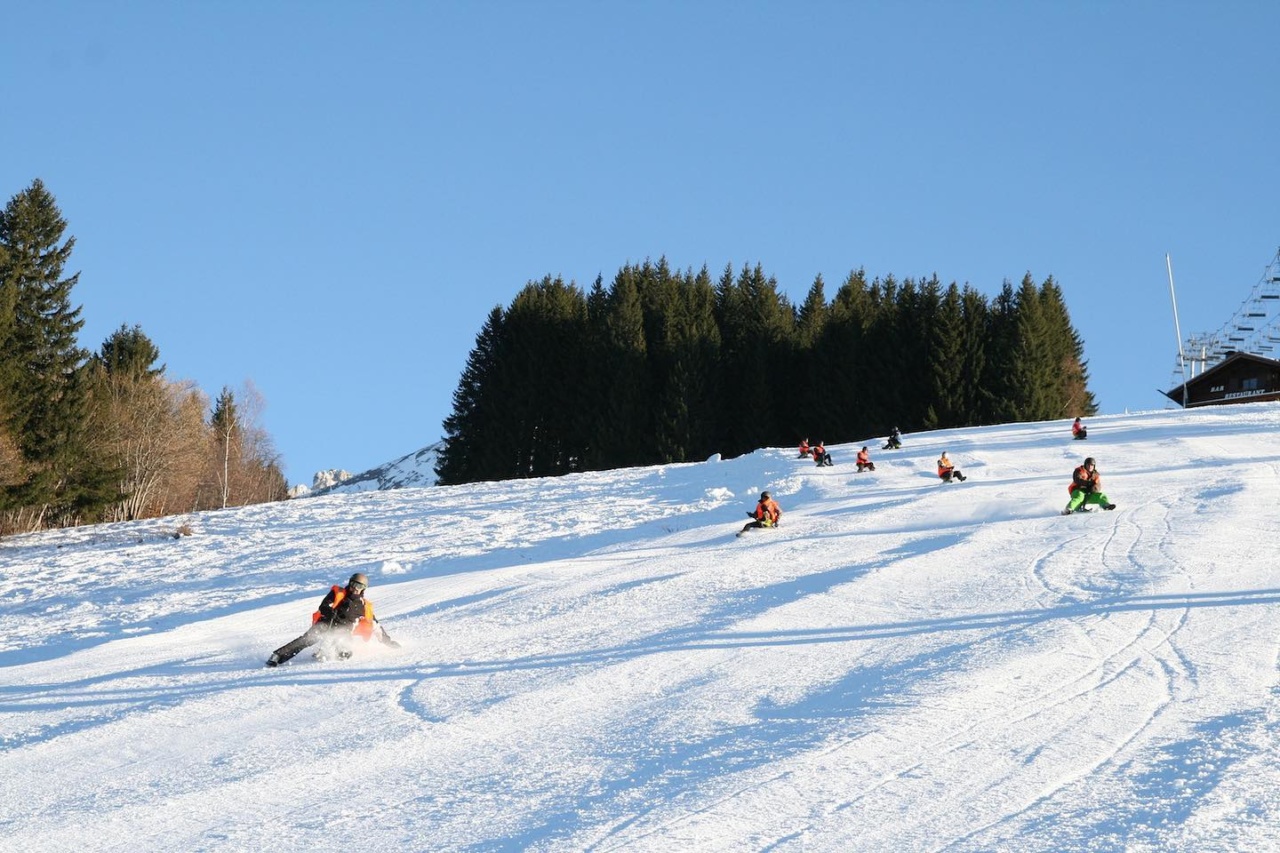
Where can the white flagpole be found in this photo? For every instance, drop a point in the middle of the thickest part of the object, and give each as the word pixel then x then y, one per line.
pixel 1182 358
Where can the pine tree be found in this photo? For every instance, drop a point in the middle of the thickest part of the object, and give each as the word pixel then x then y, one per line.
pixel 971 384
pixel 1001 400
pixel 541 373
pixel 1034 371
pixel 45 393
pixel 683 361
pixel 473 448
pixel 839 364
pixel 626 406
pixel 756 326
pixel 810 405
pixel 596 382
pixel 946 347
pixel 128 352
pixel 1066 354
pixel 881 363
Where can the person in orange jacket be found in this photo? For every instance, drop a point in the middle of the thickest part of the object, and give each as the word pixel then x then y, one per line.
pixel 820 454
pixel 864 461
pixel 767 514
pixel 1086 488
pixel 1079 431
pixel 344 613
pixel 804 447
pixel 947 472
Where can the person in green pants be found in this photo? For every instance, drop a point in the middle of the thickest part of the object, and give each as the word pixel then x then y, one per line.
pixel 1086 488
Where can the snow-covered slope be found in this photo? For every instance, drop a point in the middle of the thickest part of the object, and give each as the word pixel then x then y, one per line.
pixel 596 663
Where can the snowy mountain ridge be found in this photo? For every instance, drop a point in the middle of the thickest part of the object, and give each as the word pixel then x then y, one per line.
pixel 595 662
pixel 408 471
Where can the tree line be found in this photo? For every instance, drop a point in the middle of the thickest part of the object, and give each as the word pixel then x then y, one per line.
pixel 104 436
pixel 667 366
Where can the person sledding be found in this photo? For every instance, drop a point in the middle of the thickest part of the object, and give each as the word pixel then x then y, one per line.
pixel 820 455
pixel 1079 431
pixel 804 448
pixel 864 461
pixel 1086 488
pixel 343 616
pixel 766 514
pixel 947 471
pixel 895 440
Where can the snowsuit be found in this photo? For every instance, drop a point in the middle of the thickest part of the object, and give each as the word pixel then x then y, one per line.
pixel 1079 430
pixel 767 514
pixel 344 613
pixel 864 461
pixel 820 455
pixel 946 471
pixel 1086 488
pixel 895 440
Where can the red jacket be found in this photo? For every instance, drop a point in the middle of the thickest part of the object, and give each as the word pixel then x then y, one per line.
pixel 863 457
pixel 1083 478
pixel 768 511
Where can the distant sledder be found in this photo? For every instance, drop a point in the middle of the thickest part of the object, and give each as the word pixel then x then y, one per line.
pixel 820 455
pixel 766 514
pixel 344 614
pixel 864 461
pixel 1079 431
pixel 947 471
pixel 894 442
pixel 1086 488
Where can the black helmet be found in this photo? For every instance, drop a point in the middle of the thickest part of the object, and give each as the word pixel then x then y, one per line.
pixel 359 581
pixel 1088 460
pixel 764 496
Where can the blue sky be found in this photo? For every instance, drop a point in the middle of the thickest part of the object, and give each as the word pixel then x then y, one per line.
pixel 327 198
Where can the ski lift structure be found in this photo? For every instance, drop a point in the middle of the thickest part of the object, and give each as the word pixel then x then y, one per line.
pixel 1253 329
pixel 1237 363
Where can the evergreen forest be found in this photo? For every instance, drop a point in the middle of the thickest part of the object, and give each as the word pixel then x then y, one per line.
pixel 664 366
pixel 107 435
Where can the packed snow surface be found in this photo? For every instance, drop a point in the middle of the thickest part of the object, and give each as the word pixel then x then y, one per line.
pixel 595 662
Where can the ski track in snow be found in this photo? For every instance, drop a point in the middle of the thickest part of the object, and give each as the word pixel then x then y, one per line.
pixel 595 662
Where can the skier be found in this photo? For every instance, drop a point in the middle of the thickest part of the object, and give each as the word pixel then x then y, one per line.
pixel 767 514
pixel 947 471
pixel 1079 431
pixel 864 461
pixel 344 613
pixel 1086 488
pixel 820 455
pixel 895 440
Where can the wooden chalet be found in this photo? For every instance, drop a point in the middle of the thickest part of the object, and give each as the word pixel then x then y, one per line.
pixel 1241 377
